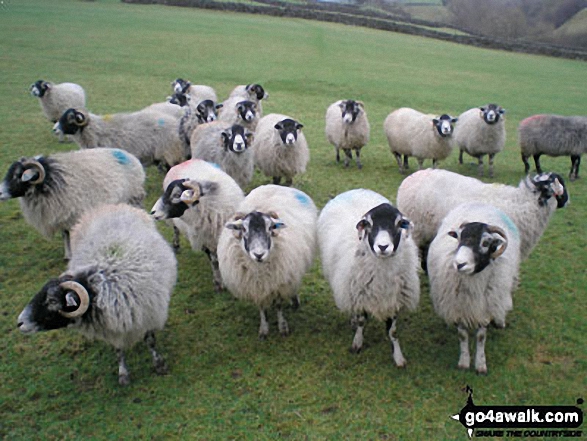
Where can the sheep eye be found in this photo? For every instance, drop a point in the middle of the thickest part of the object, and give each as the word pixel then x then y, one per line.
pixel 485 244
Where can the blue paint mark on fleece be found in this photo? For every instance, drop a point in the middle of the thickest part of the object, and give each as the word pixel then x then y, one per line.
pixel 161 122
pixel 121 157
pixel 302 198
pixel 509 223
pixel 213 164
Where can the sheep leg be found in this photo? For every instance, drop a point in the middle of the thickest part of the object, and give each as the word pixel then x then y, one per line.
pixel 66 244
pixel 575 161
pixel 288 182
pixel 337 154
pixel 358 321
pixel 348 156
pixel 465 357
pixel 526 163
pixel 398 158
pixel 176 235
pixel 491 156
pixel 406 164
pixel 480 363
pixel 461 157
pixel 396 352
pixel 218 287
pixel 358 158
pixel 295 302
pixel 480 170
pixel 281 322
pixel 158 361
pixel 421 163
pixel 276 180
pixel 537 162
pixel 123 374
pixel 264 326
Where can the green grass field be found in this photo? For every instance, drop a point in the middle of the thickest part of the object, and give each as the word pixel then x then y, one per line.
pixel 225 383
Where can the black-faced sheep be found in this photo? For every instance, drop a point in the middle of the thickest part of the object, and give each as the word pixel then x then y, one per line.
pixel 197 92
pixel 57 98
pixel 473 268
pixel 251 92
pixel 267 248
pixel 481 131
pixel 347 129
pixel 238 111
pixel 376 275
pixel 117 285
pixel 412 133
pixel 553 135
pixel 55 190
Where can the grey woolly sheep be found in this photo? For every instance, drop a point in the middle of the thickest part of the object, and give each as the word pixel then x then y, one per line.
pixel 57 98
pixel 280 148
pixel 473 267
pixel 481 131
pixel 227 145
pixel 238 111
pixel 149 135
pixel 553 135
pixel 267 248
pixel 347 128
pixel 55 190
pixel 428 195
pixel 199 198
pixel 411 133
pixel 251 92
pixel 376 275
pixel 197 92
pixel 204 112
pixel 117 285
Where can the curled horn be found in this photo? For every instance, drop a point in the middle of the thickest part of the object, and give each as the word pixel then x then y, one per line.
pixel 82 294
pixel 85 118
pixel 273 215
pixel 33 163
pixel 238 216
pixel 499 251
pixel 197 192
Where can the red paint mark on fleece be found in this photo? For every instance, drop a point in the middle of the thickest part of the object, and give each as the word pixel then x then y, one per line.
pixel 531 118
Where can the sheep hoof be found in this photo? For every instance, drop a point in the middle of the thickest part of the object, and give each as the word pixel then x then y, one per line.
pixel 284 332
pixel 355 349
pixel 463 367
pixel 481 370
pixel 359 166
pixel 161 367
pixel 124 380
pixel 263 336
pixel 401 365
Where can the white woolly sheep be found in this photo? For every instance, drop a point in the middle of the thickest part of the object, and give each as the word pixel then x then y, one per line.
pixel 428 195
pixel 347 128
pixel 473 267
pixel 55 190
pixel 267 248
pixel 553 135
pixel 197 92
pixel 117 285
pixel 238 111
pixel 149 135
pixel 57 98
pixel 200 198
pixel 204 112
pixel 377 275
pixel 226 145
pixel 411 133
pixel 280 148
pixel 251 92
pixel 481 131
pixel 167 107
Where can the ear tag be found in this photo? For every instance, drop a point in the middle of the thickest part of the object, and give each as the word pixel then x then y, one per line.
pixel 70 299
pixel 186 196
pixel 28 174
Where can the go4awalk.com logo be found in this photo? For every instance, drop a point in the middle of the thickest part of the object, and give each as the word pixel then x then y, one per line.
pixel 520 421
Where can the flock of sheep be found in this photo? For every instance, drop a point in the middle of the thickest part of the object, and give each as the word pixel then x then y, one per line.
pixel 469 236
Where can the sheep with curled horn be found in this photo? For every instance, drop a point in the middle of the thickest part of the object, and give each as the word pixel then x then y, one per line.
pixel 473 266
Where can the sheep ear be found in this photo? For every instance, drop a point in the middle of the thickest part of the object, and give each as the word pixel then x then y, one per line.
pixel 299 126
pixel 278 126
pixel 362 226
pixel 225 135
pixel 482 109
pixel 502 111
pixel 361 104
pixel 407 225
pixel 454 234
pixel 29 175
pixel 250 136
pixel 219 106
pixel 208 187
pixel 70 300
pixel 435 121
pixel 236 227
pixel 454 120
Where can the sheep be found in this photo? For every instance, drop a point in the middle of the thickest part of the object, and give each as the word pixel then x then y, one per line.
pixel 227 145
pixel 57 98
pixel 472 277
pixel 238 111
pixel 117 285
pixel 347 128
pixel 168 108
pixel 200 198
pixel 479 132
pixel 204 112
pixel 280 148
pixel 149 135
pixel 266 249
pixel 428 195
pixel 553 135
pixel 411 133
pixel 55 190
pixel 376 275
pixel 197 92
pixel 252 92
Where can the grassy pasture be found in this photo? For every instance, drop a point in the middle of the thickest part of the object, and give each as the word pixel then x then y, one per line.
pixel 224 383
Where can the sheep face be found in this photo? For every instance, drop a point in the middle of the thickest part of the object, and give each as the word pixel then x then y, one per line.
pixel 288 130
pixel 39 88
pixel 492 113
pixel 179 98
pixel 72 121
pixel 444 125
pixel 478 245
pixel 247 110
pixel 207 111
pixel 549 185
pixel 381 229
pixel 22 176
pixel 257 91
pixel 180 85
pixel 350 110
pixel 256 231
pixel 59 303
pixel 180 195
pixel 236 139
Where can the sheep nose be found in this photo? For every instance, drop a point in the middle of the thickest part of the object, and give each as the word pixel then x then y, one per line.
pixel 19 324
pixel 460 266
pixel 258 256
pixel 383 247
